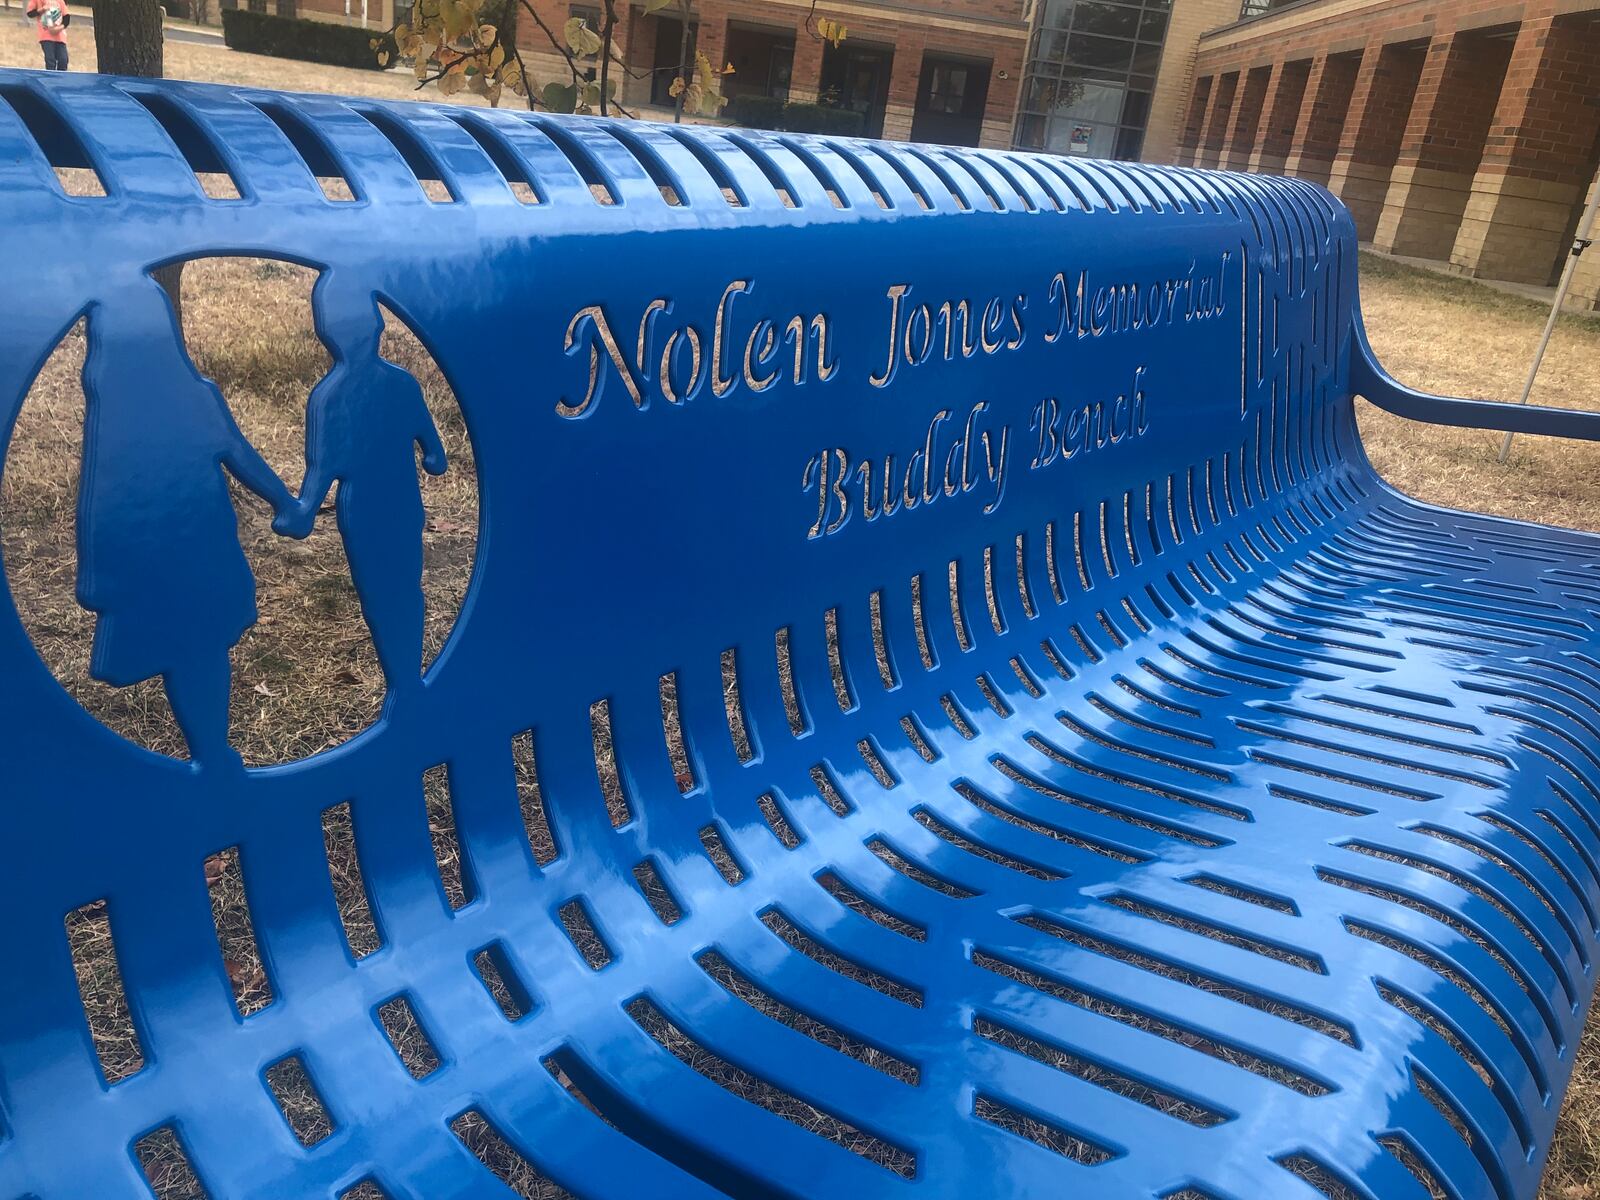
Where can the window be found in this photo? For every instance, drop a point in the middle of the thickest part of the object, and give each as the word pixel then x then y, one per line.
pixel 1091 67
pixel 947 88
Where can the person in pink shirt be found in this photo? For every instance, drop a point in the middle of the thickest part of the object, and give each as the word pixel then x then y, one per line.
pixel 52 18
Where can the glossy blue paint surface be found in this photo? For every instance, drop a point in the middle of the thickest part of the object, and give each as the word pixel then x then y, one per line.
pixel 1196 817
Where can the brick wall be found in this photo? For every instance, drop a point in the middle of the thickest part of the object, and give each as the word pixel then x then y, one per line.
pixel 380 13
pixel 1218 112
pixel 1283 105
pixel 1546 123
pixel 1171 106
pixel 1322 124
pixel 1463 130
pixel 1456 98
pixel 1381 106
pixel 1246 120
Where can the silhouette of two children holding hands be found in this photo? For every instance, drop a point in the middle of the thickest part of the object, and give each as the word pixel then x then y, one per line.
pixel 159 557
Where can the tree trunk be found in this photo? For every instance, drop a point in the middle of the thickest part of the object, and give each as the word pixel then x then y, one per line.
pixel 128 41
pixel 127 38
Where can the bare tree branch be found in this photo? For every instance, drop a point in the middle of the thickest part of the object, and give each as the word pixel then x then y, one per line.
pixel 811 16
pixel 572 63
pixel 607 40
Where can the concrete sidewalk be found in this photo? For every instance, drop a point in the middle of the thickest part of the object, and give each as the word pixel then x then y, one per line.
pixel 1544 295
pixel 175 31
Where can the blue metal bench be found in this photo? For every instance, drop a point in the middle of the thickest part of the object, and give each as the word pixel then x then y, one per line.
pixel 1085 776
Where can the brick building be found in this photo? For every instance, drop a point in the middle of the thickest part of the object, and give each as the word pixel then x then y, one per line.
pixel 1466 131
pixel 928 70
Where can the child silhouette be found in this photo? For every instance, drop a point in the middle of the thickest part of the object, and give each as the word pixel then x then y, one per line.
pixel 159 559
pixel 365 420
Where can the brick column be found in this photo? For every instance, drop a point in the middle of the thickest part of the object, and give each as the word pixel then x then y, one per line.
pixel 1194 121
pixel 1432 178
pixel 1176 74
pixel 1216 127
pixel 1000 107
pixel 1241 139
pixel 1316 135
pixel 805 76
pixel 904 74
pixel 1281 107
pixel 1536 162
pixel 640 54
pixel 1380 107
pixel 712 40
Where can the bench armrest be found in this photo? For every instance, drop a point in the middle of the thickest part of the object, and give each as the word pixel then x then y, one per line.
pixel 1369 379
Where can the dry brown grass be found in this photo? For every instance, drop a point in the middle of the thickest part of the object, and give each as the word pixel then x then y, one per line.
pixel 1461 338
pixel 248 324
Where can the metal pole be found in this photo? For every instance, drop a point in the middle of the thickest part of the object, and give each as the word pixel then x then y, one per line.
pixel 1580 243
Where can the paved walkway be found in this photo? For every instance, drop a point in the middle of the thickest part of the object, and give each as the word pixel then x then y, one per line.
pixel 1545 295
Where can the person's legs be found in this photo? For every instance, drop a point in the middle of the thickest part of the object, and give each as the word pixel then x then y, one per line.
pixel 55 55
pixel 199 695
pixel 383 544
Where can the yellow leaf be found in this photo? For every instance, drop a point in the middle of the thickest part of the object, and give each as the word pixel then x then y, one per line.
pixel 677 88
pixel 583 41
pixel 449 85
pixel 487 34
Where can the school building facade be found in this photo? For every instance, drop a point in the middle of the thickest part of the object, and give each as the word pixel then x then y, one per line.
pixel 935 70
pixel 1463 131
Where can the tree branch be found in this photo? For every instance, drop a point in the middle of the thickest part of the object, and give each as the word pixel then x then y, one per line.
pixel 607 35
pixel 572 63
pixel 811 16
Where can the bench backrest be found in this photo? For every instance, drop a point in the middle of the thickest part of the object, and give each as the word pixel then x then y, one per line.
pixel 721 385
pixel 678 409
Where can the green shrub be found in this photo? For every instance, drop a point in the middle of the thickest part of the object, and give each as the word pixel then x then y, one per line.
pixel 309 41
pixel 757 112
pixel 820 118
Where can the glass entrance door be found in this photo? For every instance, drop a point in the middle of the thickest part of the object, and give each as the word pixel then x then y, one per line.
pixel 857 78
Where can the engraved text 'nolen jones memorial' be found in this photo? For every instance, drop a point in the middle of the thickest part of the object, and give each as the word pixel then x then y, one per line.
pixel 675 359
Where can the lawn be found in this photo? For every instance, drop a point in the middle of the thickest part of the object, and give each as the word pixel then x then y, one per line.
pixel 248 326
pixel 217 64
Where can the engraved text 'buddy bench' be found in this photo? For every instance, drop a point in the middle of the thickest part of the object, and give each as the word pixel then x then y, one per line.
pixel 1083 776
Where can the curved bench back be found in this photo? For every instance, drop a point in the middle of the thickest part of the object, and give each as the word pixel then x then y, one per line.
pixel 775 383
pixel 830 368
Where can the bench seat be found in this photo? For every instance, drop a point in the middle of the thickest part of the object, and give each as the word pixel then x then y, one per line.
pixel 1080 775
